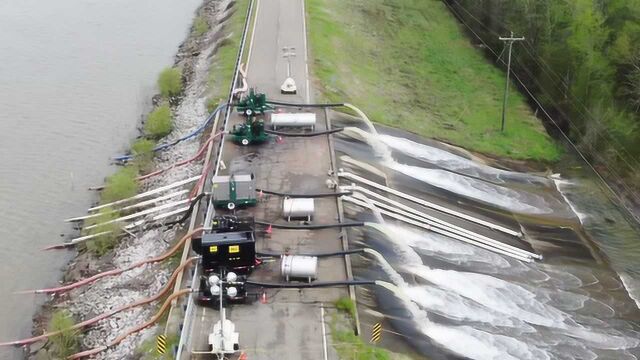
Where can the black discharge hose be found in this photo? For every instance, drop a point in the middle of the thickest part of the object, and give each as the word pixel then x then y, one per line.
pixel 308 227
pixel 304 105
pixel 337 253
pixel 186 215
pixel 311 195
pixel 310 285
pixel 309 134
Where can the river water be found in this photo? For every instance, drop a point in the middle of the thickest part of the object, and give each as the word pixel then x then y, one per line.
pixel 457 301
pixel 75 77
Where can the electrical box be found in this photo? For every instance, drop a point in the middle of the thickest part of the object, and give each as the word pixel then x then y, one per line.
pixel 230 250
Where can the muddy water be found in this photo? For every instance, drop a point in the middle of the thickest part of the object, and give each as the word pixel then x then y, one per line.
pixel 75 75
pixel 459 301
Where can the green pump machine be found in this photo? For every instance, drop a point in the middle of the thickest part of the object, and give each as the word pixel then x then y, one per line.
pixel 252 131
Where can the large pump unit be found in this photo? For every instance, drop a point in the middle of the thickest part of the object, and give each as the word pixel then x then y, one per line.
pixel 234 190
pixel 251 132
pixel 254 103
pixel 229 248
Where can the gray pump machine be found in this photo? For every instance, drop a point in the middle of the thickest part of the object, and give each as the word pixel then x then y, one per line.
pixel 234 190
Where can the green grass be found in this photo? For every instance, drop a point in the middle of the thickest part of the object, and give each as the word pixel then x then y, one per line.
pixel 122 184
pixel 65 343
pixel 350 346
pixel 407 64
pixel 159 122
pixel 170 82
pixel 142 149
pixel 345 304
pixel 221 71
pixel 105 242
pixel 200 25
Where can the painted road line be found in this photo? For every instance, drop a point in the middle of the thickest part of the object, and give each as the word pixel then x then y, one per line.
pixel 306 51
pixel 324 332
pixel 253 35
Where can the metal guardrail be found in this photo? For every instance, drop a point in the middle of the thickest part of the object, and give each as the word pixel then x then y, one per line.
pixel 186 328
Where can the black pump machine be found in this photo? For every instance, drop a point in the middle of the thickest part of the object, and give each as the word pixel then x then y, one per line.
pixel 229 248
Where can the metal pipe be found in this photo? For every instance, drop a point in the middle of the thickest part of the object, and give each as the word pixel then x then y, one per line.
pixel 136 205
pixel 429 204
pixel 433 221
pixel 141 213
pixel 442 232
pixel 147 193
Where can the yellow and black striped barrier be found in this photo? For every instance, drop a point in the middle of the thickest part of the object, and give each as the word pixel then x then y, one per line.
pixel 162 344
pixel 376 333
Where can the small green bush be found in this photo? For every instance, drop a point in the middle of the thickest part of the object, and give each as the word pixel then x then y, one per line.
pixel 121 185
pixel 159 122
pixel 142 149
pixel 65 343
pixel 200 25
pixel 170 82
pixel 345 304
pixel 105 242
pixel 351 347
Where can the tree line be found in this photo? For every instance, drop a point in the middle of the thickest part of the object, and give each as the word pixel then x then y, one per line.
pixel 581 60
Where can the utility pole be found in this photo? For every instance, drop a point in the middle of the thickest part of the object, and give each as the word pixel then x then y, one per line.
pixel 510 40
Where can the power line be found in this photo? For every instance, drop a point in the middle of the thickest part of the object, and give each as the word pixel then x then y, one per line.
pixel 586 112
pixel 547 115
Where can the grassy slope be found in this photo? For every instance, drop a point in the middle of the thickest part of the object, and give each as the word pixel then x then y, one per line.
pixel 407 64
pixel 221 70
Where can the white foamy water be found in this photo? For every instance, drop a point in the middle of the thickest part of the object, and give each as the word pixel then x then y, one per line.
pixel 468 297
pixel 479 190
pixel 561 184
pixel 450 161
pixel 488 193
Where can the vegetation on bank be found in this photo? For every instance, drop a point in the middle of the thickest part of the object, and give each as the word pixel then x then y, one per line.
pixel 123 183
pixel 159 122
pixel 581 59
pixel 347 305
pixel 348 345
pixel 200 25
pixel 142 150
pixel 409 65
pixel 221 69
pixel 170 82
pixel 66 343
pixel 107 230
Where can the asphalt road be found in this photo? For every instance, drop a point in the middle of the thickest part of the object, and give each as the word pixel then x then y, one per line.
pixel 290 324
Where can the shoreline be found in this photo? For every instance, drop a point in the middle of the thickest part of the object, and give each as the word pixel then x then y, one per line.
pixel 194 55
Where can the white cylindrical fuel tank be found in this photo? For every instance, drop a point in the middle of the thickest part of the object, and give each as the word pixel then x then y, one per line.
pixel 297 208
pixel 299 267
pixel 293 120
